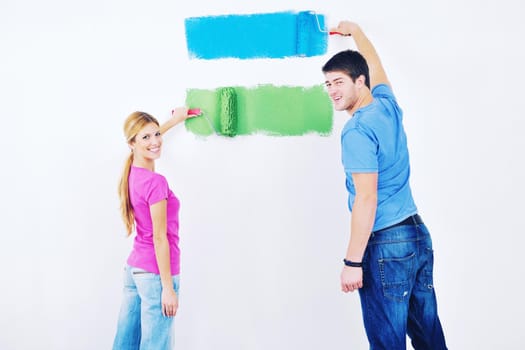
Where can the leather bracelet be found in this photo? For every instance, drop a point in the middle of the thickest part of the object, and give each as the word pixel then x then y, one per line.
pixel 352 264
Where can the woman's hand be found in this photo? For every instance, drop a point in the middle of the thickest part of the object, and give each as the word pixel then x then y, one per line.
pixel 183 113
pixel 178 115
pixel 169 301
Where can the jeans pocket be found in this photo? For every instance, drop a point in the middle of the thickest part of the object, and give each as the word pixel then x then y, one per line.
pixel 143 274
pixel 425 281
pixel 396 275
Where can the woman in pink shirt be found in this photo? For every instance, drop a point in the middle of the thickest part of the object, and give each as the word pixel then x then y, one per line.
pixel 151 277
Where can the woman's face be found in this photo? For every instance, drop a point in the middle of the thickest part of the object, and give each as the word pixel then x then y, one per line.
pixel 147 145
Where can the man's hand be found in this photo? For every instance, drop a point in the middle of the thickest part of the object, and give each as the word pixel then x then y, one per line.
pixel 345 28
pixel 351 278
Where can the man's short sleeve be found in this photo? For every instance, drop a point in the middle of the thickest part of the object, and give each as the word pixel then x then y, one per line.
pixel 383 91
pixel 359 151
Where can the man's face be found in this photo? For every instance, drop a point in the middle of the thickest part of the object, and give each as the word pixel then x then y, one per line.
pixel 342 90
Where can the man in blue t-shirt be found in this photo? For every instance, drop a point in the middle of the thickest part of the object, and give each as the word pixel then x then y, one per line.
pixel 389 257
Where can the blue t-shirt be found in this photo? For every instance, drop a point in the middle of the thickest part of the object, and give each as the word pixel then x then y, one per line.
pixel 374 141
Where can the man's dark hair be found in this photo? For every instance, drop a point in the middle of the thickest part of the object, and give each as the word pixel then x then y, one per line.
pixel 350 62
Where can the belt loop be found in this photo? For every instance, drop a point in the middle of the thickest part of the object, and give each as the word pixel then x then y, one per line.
pixel 414 221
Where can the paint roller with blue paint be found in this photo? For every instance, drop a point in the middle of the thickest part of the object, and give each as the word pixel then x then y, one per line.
pixel 268 35
pixel 310 30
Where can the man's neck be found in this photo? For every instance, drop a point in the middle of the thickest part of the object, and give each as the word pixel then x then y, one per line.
pixel 363 100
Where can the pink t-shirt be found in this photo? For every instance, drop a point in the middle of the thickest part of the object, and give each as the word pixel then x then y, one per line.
pixel 147 188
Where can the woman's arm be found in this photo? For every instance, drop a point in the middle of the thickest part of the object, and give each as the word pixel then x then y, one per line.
pixel 178 115
pixel 169 298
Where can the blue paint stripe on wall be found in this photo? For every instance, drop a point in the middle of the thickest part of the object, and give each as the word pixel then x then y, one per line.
pixel 268 35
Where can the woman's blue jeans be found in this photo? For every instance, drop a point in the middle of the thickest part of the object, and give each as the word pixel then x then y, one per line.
pixel 141 324
pixel 398 296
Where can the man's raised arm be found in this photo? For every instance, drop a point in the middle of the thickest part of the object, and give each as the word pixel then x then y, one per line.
pixel 365 47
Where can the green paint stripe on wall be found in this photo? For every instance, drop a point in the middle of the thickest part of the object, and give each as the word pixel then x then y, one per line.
pixel 265 109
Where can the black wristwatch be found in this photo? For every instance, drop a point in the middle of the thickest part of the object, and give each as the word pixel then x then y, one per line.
pixel 352 264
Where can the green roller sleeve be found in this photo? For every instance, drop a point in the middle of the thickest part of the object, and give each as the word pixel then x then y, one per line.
pixel 228 111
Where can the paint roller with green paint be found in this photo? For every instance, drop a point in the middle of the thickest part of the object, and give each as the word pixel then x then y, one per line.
pixel 267 109
pixel 228 111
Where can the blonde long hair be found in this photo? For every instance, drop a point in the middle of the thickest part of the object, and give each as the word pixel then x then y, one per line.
pixel 133 124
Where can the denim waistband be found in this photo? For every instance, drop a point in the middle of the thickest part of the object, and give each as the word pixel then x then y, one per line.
pixel 411 220
pixel 406 230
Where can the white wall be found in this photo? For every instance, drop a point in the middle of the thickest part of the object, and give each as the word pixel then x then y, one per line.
pixel 264 220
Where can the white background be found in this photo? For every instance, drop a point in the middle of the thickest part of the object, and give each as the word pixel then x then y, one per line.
pixel 264 223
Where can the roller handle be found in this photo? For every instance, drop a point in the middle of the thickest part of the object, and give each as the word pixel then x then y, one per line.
pixel 192 111
pixel 337 33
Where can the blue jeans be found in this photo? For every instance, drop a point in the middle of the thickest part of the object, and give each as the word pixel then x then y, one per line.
pixel 398 296
pixel 141 324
